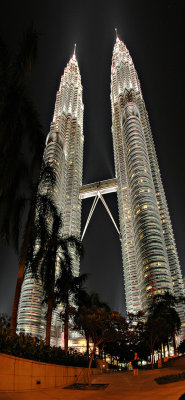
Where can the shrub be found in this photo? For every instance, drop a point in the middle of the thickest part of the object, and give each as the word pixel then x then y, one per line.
pixel 170 378
pixel 26 346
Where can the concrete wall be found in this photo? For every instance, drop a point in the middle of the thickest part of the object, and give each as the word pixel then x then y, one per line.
pixel 176 362
pixel 18 374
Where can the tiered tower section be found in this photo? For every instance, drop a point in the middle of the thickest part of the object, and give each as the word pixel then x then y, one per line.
pixel 68 121
pixel 150 260
pixel 64 151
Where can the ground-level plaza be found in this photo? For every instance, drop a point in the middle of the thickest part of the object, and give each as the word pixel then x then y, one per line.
pixel 121 386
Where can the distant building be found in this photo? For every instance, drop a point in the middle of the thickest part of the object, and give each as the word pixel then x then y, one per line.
pixel 150 260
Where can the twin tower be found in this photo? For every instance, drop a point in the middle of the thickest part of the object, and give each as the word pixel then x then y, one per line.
pixel 150 260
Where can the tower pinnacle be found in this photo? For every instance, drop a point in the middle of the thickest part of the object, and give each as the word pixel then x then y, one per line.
pixel 74 52
pixel 116 34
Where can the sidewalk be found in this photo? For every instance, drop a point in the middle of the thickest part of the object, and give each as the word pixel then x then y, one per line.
pixel 122 386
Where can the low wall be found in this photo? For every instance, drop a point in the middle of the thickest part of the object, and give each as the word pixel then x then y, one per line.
pixel 18 374
pixel 176 362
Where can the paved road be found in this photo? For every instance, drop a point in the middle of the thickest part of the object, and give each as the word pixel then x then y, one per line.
pixel 122 386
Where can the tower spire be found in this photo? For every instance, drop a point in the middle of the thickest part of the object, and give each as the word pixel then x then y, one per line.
pixel 74 52
pixel 116 33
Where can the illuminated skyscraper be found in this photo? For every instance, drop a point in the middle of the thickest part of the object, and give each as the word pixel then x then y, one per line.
pixel 150 260
pixel 64 151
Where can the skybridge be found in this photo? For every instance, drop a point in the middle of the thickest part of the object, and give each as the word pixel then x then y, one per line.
pixel 97 190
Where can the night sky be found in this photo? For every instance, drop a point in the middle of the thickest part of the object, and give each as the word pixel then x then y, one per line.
pixel 154 35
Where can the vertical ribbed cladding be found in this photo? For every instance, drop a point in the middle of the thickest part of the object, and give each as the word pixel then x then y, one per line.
pixel 64 151
pixel 120 81
pixel 173 260
pixel 164 273
pixel 153 272
pixel 72 129
pixel 30 307
pixel 163 207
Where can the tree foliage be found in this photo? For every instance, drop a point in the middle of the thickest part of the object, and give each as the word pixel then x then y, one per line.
pixel 49 251
pixel 4 321
pixel 181 347
pixel 21 149
pixel 25 346
pixel 21 138
pixel 163 321
pixel 68 290
pixel 86 302
pixel 102 327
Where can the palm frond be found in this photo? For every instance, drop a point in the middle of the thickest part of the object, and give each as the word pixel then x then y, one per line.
pixel 47 174
pixel 27 54
pixel 34 258
pixel 5 58
pixel 5 231
pixel 57 224
pixel 12 169
pixel 33 128
pixel 18 212
pixel 73 241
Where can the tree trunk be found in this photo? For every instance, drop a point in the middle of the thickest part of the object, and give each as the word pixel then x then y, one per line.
pixel 174 344
pixel 89 367
pixel 100 354
pixel 87 345
pixel 90 362
pixel 50 306
pixel 20 277
pixel 66 329
pixel 48 321
pixel 168 349
pixel 152 358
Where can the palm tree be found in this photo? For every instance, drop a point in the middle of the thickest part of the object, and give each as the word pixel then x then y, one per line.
pixel 163 308
pixel 21 148
pixel 30 233
pixel 86 305
pixel 52 250
pixel 21 139
pixel 69 289
pixel 103 327
pixel 155 332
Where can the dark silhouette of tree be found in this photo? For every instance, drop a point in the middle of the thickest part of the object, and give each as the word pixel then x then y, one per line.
pixel 69 289
pixel 137 339
pixel 21 148
pixel 164 307
pixel 103 327
pixel 4 321
pixel 52 250
pixel 181 347
pixel 85 305
pixel 121 351
pixel 21 140
pixel 31 233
